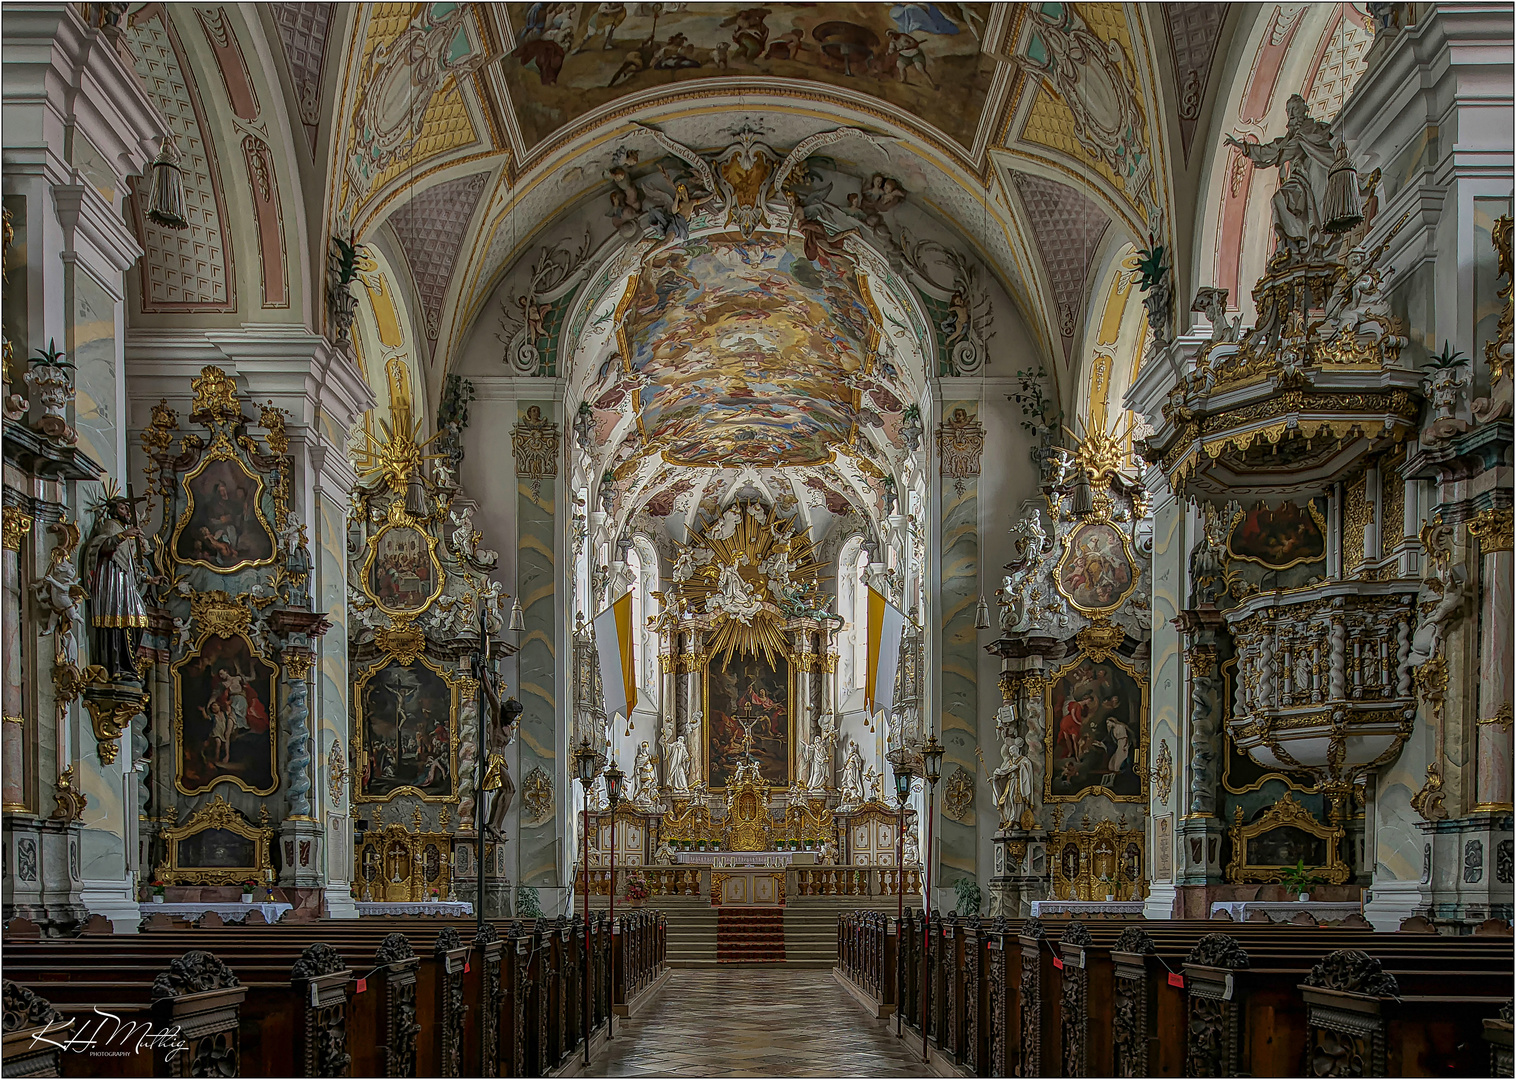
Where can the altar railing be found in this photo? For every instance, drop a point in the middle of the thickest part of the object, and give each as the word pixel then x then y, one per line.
pixel 799 881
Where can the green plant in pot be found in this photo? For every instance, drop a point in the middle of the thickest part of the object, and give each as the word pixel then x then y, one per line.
pixel 1297 881
pixel 969 896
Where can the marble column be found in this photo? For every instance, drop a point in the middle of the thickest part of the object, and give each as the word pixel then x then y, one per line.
pixel 13 777
pixel 1492 528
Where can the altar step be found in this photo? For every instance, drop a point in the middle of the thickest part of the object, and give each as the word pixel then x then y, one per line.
pixel 809 929
pixel 750 935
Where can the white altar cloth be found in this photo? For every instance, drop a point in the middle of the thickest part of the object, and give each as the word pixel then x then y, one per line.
pixel 1099 909
pixel 1285 910
pixel 419 907
pixel 229 912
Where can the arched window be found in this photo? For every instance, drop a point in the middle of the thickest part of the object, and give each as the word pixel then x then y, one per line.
pixel 853 606
pixel 642 566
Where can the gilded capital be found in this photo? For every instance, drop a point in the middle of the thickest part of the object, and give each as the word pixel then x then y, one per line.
pixel 1492 528
pixel 1202 660
pixel 16 525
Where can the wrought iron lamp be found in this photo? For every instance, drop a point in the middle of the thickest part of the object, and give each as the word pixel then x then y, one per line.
pixel 904 777
pixel 613 780
pixel 931 767
pixel 585 763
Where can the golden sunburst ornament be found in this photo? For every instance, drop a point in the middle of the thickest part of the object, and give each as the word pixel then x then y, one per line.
pixel 751 571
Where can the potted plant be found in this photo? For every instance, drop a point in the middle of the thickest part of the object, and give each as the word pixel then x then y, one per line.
pixel 247 890
pixel 636 888
pixel 969 896
pixel 699 845
pixel 434 895
pixel 1296 881
pixel 1108 887
pixel 160 892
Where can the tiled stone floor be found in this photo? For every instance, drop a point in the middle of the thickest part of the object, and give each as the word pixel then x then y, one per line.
pixel 755 1021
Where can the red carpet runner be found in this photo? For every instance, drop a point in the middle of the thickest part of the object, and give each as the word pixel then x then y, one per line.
pixel 750 935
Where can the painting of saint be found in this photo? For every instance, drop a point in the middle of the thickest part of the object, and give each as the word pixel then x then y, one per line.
pixel 222 528
pixel 1095 731
pixel 402 573
pixel 748 695
pixel 929 60
pixel 405 729
pixel 226 725
pixel 1096 570
pixel 1277 537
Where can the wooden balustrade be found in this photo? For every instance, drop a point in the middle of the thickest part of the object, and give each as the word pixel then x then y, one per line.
pixel 373 997
pixel 1174 998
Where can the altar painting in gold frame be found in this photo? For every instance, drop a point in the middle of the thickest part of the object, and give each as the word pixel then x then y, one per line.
pixel 406 732
pixel 761 691
pixel 225 728
pixel 222 527
pixel 1097 571
pixel 1097 707
pixel 1286 835
pixel 216 846
pixel 402 574
pixel 1278 538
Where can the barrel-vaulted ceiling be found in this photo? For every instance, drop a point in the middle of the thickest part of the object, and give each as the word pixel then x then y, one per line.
pixel 452 138
pixel 468 130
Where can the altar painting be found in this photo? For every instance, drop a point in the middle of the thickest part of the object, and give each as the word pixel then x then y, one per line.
pixel 405 732
pixel 223 527
pixel 1095 738
pixel 402 574
pixel 224 693
pixel 1097 572
pixel 1278 538
pixel 753 692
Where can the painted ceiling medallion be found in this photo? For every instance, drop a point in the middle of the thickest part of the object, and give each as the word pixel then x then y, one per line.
pixel 746 352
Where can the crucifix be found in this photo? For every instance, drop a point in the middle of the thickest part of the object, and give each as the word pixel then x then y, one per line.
pixel 748 721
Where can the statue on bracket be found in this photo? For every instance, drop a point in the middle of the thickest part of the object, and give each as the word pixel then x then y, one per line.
pixel 115 560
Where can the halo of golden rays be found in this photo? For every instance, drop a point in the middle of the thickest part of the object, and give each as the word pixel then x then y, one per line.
pixel 756 538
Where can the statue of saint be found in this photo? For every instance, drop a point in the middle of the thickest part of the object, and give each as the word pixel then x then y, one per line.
pixel 676 761
pixel 852 778
pixel 645 793
pixel 1297 208
pixel 1013 783
pixel 116 561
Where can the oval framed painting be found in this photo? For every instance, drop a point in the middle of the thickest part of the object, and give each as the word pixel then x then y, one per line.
pixel 402 574
pixel 1097 571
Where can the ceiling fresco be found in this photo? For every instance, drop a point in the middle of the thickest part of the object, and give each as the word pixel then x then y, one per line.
pixel 925 59
pixel 747 350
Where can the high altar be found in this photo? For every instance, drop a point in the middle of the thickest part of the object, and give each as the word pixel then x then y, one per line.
pixel 748 727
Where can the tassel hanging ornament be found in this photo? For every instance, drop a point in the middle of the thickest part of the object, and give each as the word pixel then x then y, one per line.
pixel 166 207
pixel 1343 208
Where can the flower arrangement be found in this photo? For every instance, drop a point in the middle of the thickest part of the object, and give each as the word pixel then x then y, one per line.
pixel 249 885
pixel 636 887
pixel 160 889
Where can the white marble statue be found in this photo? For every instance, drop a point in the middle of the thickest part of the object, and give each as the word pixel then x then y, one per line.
pixel 828 853
pixel 645 791
pixel 818 775
pixel 1446 597
pixel 733 595
pixel 664 856
pixel 852 778
pixel 692 748
pixel 1013 783
pixel 911 855
pixel 676 761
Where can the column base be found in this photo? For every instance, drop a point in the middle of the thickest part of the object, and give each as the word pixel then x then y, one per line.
pixel 300 841
pixel 1469 876
pixel 1020 876
pixel 51 898
pixel 1392 902
pixel 1162 902
pixel 116 900
pixel 339 902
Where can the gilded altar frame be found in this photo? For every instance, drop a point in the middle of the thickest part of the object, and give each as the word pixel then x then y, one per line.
pixel 221 449
pixel 1129 553
pixel 1285 812
pixel 227 621
pixel 216 814
pixel 454 684
pixel 399 519
pixel 791 664
pixel 1083 861
pixel 418 859
pixel 1098 652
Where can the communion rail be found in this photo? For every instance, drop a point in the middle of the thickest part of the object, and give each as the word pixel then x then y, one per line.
pixel 1176 998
